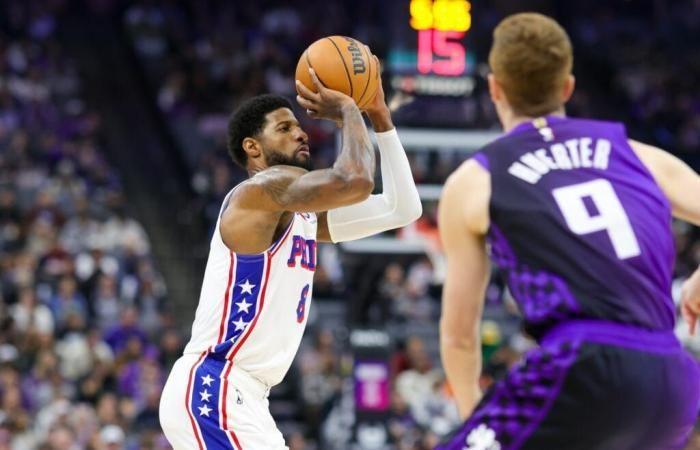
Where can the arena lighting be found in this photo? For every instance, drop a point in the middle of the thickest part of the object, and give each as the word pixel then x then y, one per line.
pixel 442 15
pixel 441 24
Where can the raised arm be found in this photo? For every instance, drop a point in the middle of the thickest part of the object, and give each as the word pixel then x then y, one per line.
pixel 350 180
pixel 398 204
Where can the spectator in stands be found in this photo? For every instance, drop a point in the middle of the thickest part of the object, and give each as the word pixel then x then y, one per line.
pixel 320 378
pixel 128 330
pixel 416 385
pixel 62 214
pixel 60 266
pixel 61 437
pixel 151 305
pixel 81 231
pixel 402 426
pixel 111 438
pixel 391 286
pixel 122 232
pixel 9 220
pixel 296 441
pixel 67 302
pixel 31 318
pixel 106 303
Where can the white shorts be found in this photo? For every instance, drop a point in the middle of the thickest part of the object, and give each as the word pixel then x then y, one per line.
pixel 209 404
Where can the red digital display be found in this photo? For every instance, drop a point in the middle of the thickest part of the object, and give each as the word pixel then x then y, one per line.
pixel 441 24
pixel 441 53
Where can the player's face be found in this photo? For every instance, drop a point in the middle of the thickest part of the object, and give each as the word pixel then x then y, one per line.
pixel 284 142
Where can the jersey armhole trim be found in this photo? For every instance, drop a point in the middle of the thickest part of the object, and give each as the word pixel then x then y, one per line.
pixel 482 160
pixel 271 250
pixel 226 201
pixel 278 243
pixel 643 166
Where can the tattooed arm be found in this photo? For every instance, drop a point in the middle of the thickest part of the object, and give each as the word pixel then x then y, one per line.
pixel 287 188
pixel 350 180
pixel 254 214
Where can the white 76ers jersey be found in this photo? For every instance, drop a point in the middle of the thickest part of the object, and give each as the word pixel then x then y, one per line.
pixel 253 308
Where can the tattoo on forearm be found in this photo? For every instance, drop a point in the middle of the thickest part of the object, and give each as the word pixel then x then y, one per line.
pixel 358 152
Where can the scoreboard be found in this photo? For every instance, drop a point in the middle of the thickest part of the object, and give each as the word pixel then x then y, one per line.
pixel 441 25
pixel 429 53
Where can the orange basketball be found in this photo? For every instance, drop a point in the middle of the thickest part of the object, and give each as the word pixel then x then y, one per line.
pixel 343 64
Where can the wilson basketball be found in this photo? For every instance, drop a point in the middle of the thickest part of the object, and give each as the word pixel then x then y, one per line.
pixel 343 64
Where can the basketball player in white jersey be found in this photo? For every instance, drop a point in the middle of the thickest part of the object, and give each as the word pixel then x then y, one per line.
pixel 258 282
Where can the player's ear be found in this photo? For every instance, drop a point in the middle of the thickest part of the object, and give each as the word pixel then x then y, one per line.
pixel 495 89
pixel 569 85
pixel 252 148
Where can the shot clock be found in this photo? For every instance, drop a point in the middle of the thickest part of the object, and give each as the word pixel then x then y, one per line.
pixel 430 55
pixel 441 25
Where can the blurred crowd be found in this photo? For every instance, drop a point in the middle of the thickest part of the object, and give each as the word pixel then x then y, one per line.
pixel 644 64
pixel 85 338
pixel 203 58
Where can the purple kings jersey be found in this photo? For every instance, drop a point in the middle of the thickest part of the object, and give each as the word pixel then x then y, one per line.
pixel 579 226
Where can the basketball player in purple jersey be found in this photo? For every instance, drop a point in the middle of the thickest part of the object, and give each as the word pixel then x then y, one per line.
pixel 578 217
pixel 258 282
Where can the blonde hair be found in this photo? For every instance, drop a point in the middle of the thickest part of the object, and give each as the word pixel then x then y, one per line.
pixel 531 58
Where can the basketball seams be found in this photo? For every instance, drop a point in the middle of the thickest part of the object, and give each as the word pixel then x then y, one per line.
pixel 329 68
pixel 342 59
pixel 308 63
pixel 377 77
pixel 369 73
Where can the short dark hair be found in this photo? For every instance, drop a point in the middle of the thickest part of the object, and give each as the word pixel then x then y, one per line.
pixel 248 120
pixel 531 57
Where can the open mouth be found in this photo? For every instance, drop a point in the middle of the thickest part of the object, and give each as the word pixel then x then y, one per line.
pixel 304 149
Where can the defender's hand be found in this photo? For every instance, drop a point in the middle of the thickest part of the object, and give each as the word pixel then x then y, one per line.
pixel 690 301
pixel 323 104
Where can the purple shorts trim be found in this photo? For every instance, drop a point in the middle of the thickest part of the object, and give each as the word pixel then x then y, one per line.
pixel 515 413
pixel 514 407
pixel 611 333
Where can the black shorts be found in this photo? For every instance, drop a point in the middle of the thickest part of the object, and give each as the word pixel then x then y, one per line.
pixel 590 386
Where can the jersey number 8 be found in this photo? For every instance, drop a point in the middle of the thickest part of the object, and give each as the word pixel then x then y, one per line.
pixel 301 306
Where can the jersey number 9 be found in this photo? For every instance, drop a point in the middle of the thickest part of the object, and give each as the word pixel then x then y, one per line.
pixel 610 217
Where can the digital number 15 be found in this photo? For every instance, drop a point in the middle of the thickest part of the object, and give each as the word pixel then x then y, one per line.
pixel 440 52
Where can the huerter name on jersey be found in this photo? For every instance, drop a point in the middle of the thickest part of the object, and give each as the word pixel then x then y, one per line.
pixel 576 153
